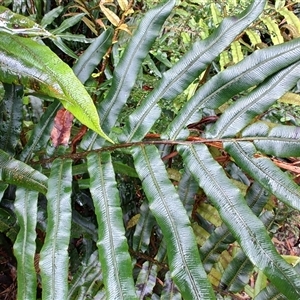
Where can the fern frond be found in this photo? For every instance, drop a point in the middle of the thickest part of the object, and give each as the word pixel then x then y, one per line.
pixel 189 67
pixel 54 256
pixel 243 224
pixel 265 172
pixel 185 265
pixel 112 243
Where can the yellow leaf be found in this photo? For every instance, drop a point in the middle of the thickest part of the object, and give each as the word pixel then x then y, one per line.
pixel 110 15
pixel 124 27
pixel 290 98
pixel 90 25
pixel 129 12
pixel 123 4
pixel 133 221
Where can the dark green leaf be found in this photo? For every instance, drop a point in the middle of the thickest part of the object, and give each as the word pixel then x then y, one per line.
pixel 248 230
pixel 67 23
pixel 187 189
pixel 129 66
pixel 54 256
pixel 265 172
pixel 87 280
pixel 92 56
pixel 270 292
pixel 8 224
pixel 16 172
pixel 3 187
pixel 170 290
pixel 112 243
pixel 50 16
pixel 59 43
pixel 249 72
pixel 237 273
pixel 220 239
pixel 146 280
pixel 11 116
pixel 189 67
pixel 185 265
pixel 275 139
pixel 242 111
pixel 143 230
pixel 24 246
pixel 41 132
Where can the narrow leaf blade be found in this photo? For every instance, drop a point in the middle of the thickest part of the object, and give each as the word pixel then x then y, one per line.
pixel 24 246
pixel 185 265
pixel 112 243
pixel 243 224
pixel 92 56
pixel 251 71
pixel 265 172
pixel 54 256
pixel 274 139
pixel 16 172
pixel 178 78
pixel 127 70
pixel 11 115
pixel 242 112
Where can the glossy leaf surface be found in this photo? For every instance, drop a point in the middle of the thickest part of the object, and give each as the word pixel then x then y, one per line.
pixel 248 230
pixel 265 172
pixel 189 67
pixel 92 56
pixel 16 172
pixel 185 265
pixel 54 256
pixel 278 140
pixel 13 23
pixel 112 244
pixel 242 111
pixel 24 246
pixel 11 118
pixel 24 61
pixel 251 71
pixel 126 71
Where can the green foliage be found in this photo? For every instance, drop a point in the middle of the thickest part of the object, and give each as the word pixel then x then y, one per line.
pixel 26 62
pixel 118 221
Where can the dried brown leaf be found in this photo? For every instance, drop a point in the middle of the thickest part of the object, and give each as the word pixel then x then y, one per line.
pixel 61 131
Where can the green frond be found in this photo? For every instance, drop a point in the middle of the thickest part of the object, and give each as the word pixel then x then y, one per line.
pixel 112 244
pixel 185 265
pixel 265 172
pixel 87 280
pixel 11 118
pixel 248 230
pixel 274 139
pixel 243 111
pixel 24 246
pixel 92 56
pixel 251 71
pixel 189 67
pixel 13 171
pixel 142 233
pixel 54 256
pixel 146 280
pixel 126 71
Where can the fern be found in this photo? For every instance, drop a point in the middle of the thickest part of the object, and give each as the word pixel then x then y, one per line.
pixel 153 247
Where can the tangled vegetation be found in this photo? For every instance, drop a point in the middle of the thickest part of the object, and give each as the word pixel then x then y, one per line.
pixel 149 150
